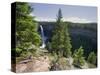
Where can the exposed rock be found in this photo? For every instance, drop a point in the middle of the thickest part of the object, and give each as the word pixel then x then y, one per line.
pixel 63 64
pixel 36 65
pixel 85 66
pixel 20 67
pixel 25 61
pixel 42 63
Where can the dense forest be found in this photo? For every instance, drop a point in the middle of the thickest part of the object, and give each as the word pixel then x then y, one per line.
pixel 79 32
pixel 68 45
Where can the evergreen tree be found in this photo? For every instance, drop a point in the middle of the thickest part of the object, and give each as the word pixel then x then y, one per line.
pixel 78 57
pixel 59 16
pixel 26 28
pixel 61 40
pixel 92 58
pixel 67 42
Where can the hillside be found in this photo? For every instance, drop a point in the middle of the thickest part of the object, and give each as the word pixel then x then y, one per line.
pixel 82 33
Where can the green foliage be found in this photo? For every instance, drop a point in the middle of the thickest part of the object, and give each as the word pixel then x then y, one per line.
pixel 59 16
pixel 48 46
pixel 62 63
pixel 55 56
pixel 61 40
pixel 18 51
pixel 25 54
pixel 79 60
pixel 67 42
pixel 26 28
pixel 92 58
pixel 23 7
pixel 88 26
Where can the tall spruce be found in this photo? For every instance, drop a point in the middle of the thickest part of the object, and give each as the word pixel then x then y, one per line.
pixel 26 28
pixel 60 39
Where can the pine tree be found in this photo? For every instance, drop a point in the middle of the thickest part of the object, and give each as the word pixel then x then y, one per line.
pixel 57 34
pixel 26 28
pixel 78 57
pixel 61 40
pixel 67 42
pixel 92 58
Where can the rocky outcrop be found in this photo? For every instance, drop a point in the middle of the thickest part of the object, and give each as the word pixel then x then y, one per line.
pixel 37 64
pixel 42 64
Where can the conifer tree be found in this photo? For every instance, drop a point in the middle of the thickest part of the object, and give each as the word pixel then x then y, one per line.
pixel 92 58
pixel 79 59
pixel 26 28
pixel 61 40
pixel 67 42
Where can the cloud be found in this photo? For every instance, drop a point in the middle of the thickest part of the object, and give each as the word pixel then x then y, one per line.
pixel 45 19
pixel 32 14
pixel 70 19
pixel 76 20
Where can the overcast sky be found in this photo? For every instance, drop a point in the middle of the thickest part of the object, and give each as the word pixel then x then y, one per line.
pixel 73 13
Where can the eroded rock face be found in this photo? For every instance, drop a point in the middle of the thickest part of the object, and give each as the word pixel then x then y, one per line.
pixel 36 65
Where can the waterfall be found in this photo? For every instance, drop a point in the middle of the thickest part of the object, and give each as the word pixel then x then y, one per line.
pixel 43 38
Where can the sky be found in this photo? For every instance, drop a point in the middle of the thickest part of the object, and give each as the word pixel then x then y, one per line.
pixel 72 13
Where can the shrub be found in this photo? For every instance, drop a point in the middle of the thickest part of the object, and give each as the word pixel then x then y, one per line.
pixel 79 60
pixel 92 58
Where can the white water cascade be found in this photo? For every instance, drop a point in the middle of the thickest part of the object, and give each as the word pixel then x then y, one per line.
pixel 43 38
